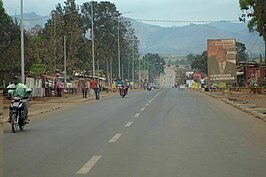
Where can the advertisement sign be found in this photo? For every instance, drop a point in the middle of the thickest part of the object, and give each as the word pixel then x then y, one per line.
pixel 196 76
pixel 189 78
pixel 189 75
pixel 222 61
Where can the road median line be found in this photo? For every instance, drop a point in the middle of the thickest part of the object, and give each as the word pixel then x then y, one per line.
pixel 89 165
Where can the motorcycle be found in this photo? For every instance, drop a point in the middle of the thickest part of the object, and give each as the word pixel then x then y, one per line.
pixel 122 90
pixel 145 86
pixel 16 114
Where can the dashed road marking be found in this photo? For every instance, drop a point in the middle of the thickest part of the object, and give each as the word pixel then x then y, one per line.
pixel 147 104
pixel 129 124
pixel 88 166
pixel 142 109
pixel 150 101
pixel 115 138
pixel 137 115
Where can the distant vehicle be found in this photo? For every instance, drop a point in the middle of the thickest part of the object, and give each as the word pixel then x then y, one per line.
pixel 153 86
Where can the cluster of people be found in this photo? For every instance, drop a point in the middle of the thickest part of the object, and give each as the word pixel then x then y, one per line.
pixel 84 86
pixel 59 88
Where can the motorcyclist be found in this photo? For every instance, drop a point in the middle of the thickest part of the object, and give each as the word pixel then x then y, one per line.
pixel 21 90
pixel 146 84
pixel 119 82
pixel 127 85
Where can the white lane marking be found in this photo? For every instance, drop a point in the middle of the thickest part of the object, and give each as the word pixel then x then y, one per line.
pixel 142 109
pixel 129 124
pixel 137 115
pixel 150 101
pixel 147 104
pixel 88 166
pixel 115 138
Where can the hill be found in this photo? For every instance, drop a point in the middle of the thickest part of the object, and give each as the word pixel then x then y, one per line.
pixel 180 40
pixel 193 38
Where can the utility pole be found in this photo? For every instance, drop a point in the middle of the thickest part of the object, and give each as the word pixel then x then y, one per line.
pixel 65 84
pixel 128 69
pixel 118 46
pixel 54 40
pixel 98 68
pixel 108 73
pixel 92 41
pixel 111 71
pixel 22 42
pixel 133 63
pixel 265 56
pixel 144 70
pixel 139 73
pixel 1 135
pixel 122 71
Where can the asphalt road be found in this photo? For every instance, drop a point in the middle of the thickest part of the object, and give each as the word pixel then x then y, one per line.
pixel 169 76
pixel 158 133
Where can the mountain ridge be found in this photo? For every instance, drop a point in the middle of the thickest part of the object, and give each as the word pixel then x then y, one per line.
pixel 179 40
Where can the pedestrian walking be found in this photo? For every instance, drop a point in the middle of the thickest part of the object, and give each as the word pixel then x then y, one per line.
pixel 58 88
pixel 83 85
pixel 94 85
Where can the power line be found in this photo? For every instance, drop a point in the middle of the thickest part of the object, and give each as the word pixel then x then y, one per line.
pixel 39 18
pixel 33 19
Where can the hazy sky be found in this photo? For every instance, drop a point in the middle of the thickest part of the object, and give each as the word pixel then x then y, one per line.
pixel 166 10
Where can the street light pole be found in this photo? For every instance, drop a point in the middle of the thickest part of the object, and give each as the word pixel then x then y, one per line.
pixel 65 83
pixel 92 41
pixel 1 135
pixel 118 44
pixel 139 73
pixel 133 58
pixel 118 49
pixel 22 43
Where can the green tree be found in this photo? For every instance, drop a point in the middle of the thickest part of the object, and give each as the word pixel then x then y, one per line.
pixel 106 18
pixel 155 65
pixel 190 58
pixel 10 41
pixel 255 11
pixel 44 46
pixel 241 55
pixel 200 63
pixel 35 49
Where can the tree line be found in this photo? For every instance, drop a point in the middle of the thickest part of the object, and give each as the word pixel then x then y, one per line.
pixel 44 46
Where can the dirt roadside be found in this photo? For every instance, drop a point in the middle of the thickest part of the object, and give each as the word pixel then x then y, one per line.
pixel 254 104
pixel 40 105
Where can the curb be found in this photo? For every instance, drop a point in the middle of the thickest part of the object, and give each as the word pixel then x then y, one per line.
pixel 35 113
pixel 247 110
pixel 239 106
pixel 44 111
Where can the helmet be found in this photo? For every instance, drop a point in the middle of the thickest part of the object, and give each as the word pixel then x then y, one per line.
pixel 16 80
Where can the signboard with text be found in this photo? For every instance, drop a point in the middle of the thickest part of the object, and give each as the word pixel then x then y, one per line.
pixel 222 61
